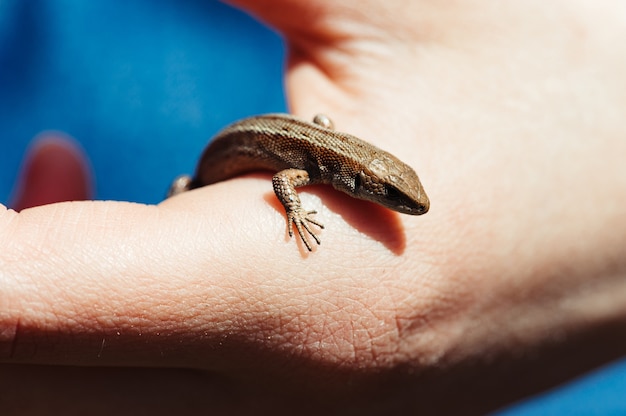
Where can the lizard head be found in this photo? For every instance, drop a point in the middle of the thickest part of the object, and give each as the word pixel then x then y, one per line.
pixel 391 183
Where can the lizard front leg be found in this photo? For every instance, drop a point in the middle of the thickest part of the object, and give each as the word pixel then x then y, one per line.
pixel 285 183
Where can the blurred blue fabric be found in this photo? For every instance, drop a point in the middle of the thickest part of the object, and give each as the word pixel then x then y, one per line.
pixel 142 85
pixel 601 393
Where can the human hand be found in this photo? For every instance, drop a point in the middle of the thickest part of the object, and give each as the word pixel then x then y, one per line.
pixel 513 117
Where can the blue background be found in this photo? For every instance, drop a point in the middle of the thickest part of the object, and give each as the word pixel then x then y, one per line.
pixel 142 85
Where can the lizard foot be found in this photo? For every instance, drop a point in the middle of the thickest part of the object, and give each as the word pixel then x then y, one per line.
pixel 301 219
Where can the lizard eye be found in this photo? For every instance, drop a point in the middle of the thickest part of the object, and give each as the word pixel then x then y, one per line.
pixel 393 193
pixel 357 181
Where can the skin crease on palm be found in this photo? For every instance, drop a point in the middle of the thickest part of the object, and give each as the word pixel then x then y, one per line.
pixel 513 115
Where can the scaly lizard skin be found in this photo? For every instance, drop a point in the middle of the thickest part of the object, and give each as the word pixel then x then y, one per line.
pixel 304 153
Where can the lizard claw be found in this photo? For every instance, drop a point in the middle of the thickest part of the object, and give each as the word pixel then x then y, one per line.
pixel 301 219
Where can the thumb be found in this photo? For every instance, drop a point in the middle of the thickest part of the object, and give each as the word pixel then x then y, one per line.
pixel 55 169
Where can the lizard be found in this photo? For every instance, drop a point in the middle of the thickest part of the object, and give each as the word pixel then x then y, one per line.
pixel 304 153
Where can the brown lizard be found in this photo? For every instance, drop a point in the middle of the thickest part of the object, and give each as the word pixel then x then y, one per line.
pixel 304 153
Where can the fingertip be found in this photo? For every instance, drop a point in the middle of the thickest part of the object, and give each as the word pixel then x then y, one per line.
pixel 55 169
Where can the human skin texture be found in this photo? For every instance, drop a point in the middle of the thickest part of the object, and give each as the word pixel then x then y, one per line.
pixel 513 115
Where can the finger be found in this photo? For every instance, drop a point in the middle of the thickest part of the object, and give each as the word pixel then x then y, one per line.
pixel 328 58
pixel 55 170
pixel 113 283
